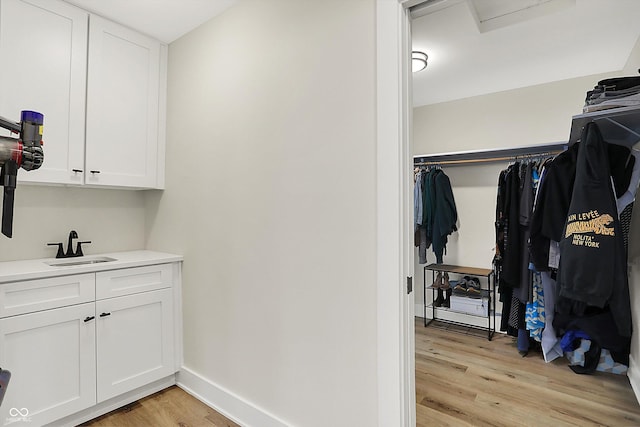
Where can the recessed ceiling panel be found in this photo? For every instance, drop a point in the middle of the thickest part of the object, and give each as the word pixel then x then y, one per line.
pixel 493 14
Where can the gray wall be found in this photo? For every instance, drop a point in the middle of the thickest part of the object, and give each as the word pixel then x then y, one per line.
pixel 270 196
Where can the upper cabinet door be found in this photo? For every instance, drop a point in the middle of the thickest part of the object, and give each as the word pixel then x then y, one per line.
pixel 43 46
pixel 122 107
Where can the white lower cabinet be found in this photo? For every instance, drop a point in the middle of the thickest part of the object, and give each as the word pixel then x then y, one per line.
pixel 135 341
pixel 52 358
pixel 67 359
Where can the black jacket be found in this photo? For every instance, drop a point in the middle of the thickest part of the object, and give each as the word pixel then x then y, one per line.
pixel 445 215
pixel 592 269
pixel 552 205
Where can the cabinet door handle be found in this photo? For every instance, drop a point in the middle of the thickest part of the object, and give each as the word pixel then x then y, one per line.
pixel 76 170
pixel 89 318
pixel 94 171
pixel 105 314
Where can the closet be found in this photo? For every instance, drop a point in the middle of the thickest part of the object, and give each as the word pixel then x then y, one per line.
pixel 479 311
pixel 620 128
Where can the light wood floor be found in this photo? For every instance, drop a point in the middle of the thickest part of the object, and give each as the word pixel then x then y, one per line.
pixel 461 380
pixel 170 407
pixel 465 380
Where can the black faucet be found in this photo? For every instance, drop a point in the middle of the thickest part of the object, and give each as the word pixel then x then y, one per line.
pixel 72 235
pixel 69 254
pixel 60 253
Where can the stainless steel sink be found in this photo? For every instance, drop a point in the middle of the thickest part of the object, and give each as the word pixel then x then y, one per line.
pixel 80 261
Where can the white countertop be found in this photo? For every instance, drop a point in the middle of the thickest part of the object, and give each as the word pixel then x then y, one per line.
pixel 11 271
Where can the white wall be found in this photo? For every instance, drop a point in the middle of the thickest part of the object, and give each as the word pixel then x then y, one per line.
pixel 270 196
pixel 112 219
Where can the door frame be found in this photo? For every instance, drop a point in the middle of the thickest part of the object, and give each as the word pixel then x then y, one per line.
pixel 395 309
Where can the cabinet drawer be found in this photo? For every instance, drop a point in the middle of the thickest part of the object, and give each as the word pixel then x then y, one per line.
pixel 42 294
pixel 133 280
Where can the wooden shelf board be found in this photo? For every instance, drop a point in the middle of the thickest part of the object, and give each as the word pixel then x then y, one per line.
pixel 474 271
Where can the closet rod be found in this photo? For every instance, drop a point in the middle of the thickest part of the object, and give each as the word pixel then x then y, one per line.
pixel 487 160
pixel 488 156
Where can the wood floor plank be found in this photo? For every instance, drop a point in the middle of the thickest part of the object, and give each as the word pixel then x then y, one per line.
pixel 167 408
pixel 473 381
pixel 426 416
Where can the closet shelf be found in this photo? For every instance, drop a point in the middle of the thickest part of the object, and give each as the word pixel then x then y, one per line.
pixel 619 126
pixel 469 271
pixel 489 155
pixel 490 296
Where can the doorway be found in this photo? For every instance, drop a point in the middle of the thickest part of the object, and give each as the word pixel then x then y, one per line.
pixel 506 116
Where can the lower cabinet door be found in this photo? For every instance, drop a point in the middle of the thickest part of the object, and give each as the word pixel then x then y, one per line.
pixel 134 341
pixel 52 360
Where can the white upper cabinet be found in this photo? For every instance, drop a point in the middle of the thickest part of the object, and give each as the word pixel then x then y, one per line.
pixel 43 45
pixel 100 87
pixel 122 106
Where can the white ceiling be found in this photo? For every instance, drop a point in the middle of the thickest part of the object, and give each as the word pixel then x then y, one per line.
pixel 165 20
pixel 477 47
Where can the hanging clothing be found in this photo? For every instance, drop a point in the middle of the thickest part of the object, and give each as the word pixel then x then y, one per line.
pixel 630 194
pixel 592 268
pixel 437 215
pixel 625 225
pixel 514 203
pixel 551 205
pixel 446 214
pixel 517 192
pixel 527 194
pixel 420 232
pixel 551 348
pixel 417 200
pixel 535 315
pixel 511 256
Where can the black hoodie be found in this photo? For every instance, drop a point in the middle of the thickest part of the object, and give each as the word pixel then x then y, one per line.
pixel 592 269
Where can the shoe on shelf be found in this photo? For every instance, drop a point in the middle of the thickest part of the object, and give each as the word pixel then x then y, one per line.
pixel 461 287
pixel 445 283
pixel 437 284
pixel 473 288
pixel 447 301
pixel 439 299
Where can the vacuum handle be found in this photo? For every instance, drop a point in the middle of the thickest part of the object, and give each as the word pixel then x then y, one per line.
pixel 8 175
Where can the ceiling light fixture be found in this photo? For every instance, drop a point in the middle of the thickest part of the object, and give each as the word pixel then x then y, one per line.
pixel 418 61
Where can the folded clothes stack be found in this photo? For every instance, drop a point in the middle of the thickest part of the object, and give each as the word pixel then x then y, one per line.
pixel 613 93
